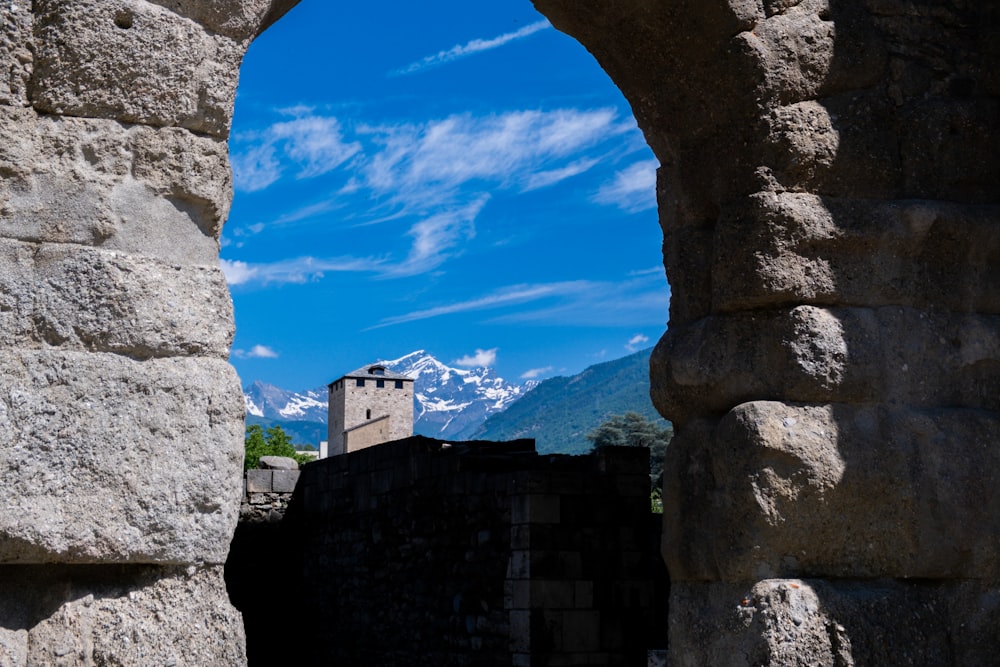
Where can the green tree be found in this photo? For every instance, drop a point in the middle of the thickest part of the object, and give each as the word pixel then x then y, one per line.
pixel 272 442
pixel 634 430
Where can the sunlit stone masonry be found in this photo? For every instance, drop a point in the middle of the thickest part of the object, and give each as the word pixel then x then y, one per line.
pixel 122 420
pixel 830 200
pixel 829 196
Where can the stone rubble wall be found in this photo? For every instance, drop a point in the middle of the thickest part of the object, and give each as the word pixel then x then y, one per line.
pixel 266 494
pixel 116 323
pixel 829 193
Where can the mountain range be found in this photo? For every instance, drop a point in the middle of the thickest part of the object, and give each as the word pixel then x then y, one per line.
pixel 448 402
pixel 474 403
pixel 561 411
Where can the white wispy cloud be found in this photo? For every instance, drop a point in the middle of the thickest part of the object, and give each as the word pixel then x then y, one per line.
pixel 427 163
pixel 543 179
pixel 448 167
pixel 636 342
pixel 642 301
pixel 536 372
pixel 313 145
pixel 436 177
pixel 435 238
pixel 633 189
pixel 480 358
pixel 298 270
pixel 504 297
pixel 256 168
pixel 256 352
pixel 470 48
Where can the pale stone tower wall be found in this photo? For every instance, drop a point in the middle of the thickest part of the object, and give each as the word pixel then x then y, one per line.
pixel 368 407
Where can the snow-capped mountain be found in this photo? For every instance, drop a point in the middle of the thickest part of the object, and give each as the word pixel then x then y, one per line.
pixel 266 400
pixel 453 402
pixel 448 402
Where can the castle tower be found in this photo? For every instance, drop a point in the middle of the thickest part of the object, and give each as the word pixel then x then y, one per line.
pixel 369 406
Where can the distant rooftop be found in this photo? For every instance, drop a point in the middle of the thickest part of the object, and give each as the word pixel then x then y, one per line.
pixel 376 371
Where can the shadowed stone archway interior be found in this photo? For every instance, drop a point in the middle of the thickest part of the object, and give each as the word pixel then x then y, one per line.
pixel 829 199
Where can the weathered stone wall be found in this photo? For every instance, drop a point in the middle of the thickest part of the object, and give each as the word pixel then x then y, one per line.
pixel 122 418
pixel 829 196
pixel 417 552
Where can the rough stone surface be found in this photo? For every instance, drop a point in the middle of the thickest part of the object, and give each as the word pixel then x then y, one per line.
pixel 277 463
pixel 239 19
pixel 135 62
pixel 123 422
pixel 830 203
pixel 79 298
pixel 15 53
pixel 902 356
pixel 829 193
pixel 117 615
pixel 779 490
pixel 116 460
pixel 841 623
pixel 161 193
pixel 798 247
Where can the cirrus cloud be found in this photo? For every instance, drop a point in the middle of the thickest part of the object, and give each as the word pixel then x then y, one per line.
pixel 470 48
pixel 633 189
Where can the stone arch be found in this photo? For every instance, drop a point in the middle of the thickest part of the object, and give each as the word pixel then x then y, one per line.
pixel 829 200
pixel 829 203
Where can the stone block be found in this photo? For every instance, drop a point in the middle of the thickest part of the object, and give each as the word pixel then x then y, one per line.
pixel 162 193
pixel 834 491
pixel 13 647
pixel 123 615
pixel 792 51
pixel 844 622
pixel 109 459
pixel 239 19
pixel 952 148
pixel 259 481
pixel 535 508
pixel 134 62
pixel 552 593
pixel 277 463
pixel 581 630
pixel 520 631
pixel 15 53
pixel 800 247
pixel 79 298
pixel 808 354
pixel 519 565
pixel 284 481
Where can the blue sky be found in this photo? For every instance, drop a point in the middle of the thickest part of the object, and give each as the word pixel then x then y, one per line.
pixel 450 176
